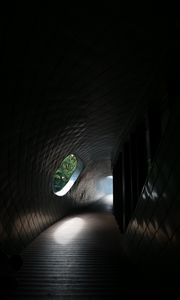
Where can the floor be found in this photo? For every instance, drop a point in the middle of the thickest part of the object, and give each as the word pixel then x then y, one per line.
pixel 79 257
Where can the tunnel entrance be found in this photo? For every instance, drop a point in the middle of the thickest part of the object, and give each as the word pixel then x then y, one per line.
pixel 104 189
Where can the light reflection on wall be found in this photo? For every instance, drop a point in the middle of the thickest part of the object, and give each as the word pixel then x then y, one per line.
pixel 68 230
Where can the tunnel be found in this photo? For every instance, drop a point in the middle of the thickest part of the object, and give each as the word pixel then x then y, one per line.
pixel 97 92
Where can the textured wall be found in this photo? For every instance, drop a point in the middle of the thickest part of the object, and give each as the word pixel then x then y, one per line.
pixel 68 88
pixel 27 204
pixel 85 191
pixel 34 140
pixel 153 235
pixel 31 150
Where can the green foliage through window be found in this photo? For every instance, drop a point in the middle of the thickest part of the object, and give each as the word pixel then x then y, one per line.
pixel 64 172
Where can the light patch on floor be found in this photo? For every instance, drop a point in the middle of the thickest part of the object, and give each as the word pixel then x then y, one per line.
pixel 68 230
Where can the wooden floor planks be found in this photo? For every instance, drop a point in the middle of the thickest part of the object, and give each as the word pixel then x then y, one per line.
pixel 79 257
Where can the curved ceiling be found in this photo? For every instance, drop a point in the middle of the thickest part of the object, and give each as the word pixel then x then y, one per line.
pixel 69 89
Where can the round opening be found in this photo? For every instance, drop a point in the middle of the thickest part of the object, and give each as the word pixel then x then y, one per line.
pixel 66 175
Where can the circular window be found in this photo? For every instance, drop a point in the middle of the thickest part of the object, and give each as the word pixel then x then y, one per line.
pixel 66 175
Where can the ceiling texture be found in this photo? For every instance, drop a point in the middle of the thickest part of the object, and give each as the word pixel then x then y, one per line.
pixel 68 88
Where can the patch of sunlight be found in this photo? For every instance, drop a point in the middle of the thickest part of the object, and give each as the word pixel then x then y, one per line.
pixel 108 199
pixel 68 230
pixel 104 191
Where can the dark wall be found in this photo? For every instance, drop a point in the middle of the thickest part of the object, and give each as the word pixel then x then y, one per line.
pixel 135 158
pixel 28 160
pixel 153 234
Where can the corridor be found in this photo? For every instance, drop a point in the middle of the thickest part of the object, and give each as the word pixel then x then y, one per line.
pixel 79 257
pixel 88 121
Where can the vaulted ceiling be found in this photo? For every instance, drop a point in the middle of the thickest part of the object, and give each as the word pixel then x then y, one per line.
pixel 69 88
